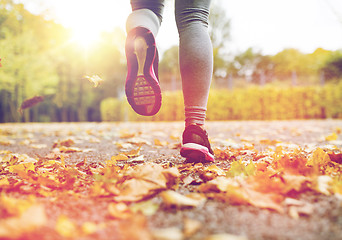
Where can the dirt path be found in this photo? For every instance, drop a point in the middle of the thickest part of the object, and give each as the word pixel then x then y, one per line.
pixel 115 181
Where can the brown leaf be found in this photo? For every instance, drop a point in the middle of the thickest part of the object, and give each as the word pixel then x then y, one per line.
pixel 28 103
pixel 336 157
pixel 145 180
pixel 66 143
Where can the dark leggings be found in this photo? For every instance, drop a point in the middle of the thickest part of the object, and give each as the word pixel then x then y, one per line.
pixel 195 52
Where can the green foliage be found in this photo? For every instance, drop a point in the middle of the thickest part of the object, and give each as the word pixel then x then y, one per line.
pixel 254 103
pixel 111 109
pixel 39 59
pixel 333 67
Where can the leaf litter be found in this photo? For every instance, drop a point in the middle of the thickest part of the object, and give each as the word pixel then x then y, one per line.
pixel 133 189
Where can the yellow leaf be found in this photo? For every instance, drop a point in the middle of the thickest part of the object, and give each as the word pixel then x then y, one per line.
pixel 21 167
pixel 62 160
pixel 172 233
pixel 95 79
pixel 133 153
pixel 28 221
pixel 318 158
pixel 4 182
pixel 238 168
pixel 157 142
pixel 225 236
pixel 5 152
pixel 119 157
pixel 89 228
pixel 173 198
pixel 119 210
pixel 331 137
pixel 65 227
pixel 148 208
pixel 136 189
pixel 323 184
pixel 191 226
pixel 15 206
pixel 69 149
pixel 338 130
pixel 124 133
pixel 217 170
pixel 217 184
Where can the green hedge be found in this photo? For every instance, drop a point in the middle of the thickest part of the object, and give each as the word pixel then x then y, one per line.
pixel 253 103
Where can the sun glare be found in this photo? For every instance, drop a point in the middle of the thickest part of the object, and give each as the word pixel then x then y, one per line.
pixel 85 37
pixel 87 19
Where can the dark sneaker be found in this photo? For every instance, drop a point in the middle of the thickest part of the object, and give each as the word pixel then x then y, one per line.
pixel 195 145
pixel 142 84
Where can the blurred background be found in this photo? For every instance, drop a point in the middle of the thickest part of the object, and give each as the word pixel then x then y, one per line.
pixel 64 61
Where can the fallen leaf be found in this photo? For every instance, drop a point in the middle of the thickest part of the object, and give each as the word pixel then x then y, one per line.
pixel 124 133
pixel 27 221
pixel 64 149
pixel 22 167
pixel 119 157
pixel 4 182
pixel 15 206
pixel 90 228
pixel 159 143
pixel 176 199
pixel 66 143
pixel 318 158
pixel 297 207
pixel 225 236
pixel 65 227
pixel 323 184
pixel 147 208
pixel 331 137
pixel 336 157
pixel 119 210
pixel 191 226
pixel 172 233
pixel 238 168
pixel 133 152
pixel 144 181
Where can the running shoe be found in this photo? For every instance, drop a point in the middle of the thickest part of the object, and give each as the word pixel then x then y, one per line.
pixel 142 85
pixel 195 144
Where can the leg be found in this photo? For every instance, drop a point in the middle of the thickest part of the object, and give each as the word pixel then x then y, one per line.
pixel 147 14
pixel 142 84
pixel 196 66
pixel 195 57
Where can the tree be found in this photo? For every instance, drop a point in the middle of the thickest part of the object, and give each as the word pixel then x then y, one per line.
pixel 26 69
pixel 253 66
pixel 169 69
pixel 333 67
pixel 219 30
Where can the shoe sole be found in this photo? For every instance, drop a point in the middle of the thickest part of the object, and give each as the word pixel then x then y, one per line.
pixel 142 86
pixel 197 152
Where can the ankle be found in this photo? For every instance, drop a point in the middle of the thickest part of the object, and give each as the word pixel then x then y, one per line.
pixel 195 124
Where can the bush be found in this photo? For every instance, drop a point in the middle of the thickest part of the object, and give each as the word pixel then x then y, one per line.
pixel 253 103
pixel 111 109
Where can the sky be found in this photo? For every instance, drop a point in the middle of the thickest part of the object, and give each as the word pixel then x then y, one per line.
pixel 269 26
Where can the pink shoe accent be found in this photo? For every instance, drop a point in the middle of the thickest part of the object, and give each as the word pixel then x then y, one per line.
pixel 142 86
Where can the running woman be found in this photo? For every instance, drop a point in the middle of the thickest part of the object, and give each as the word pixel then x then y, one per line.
pixel 196 67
